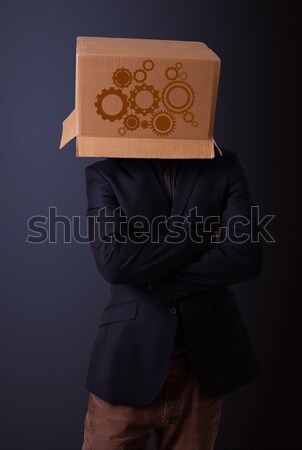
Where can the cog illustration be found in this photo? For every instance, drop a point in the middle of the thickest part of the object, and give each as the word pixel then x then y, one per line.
pixel 178 96
pixel 122 77
pixel 131 122
pixel 118 96
pixel 150 105
pixel 131 91
pixel 148 65
pixel 144 124
pixel 163 123
pixel 171 73
pixel 188 117
pixel 140 75
pixel 122 131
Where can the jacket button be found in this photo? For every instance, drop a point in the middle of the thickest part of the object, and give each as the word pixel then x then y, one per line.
pixel 172 310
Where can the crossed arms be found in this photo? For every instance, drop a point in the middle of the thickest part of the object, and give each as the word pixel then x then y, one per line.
pixel 187 267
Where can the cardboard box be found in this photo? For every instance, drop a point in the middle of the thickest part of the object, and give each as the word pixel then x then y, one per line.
pixel 143 98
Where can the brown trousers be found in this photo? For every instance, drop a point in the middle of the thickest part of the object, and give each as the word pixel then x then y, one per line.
pixel 182 416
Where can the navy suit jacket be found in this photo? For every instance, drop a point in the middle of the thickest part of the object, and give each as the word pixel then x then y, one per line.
pixel 150 281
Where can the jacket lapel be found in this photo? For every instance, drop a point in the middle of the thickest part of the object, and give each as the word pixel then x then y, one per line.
pixel 188 173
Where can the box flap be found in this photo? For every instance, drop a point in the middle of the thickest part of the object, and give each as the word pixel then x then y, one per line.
pixel 69 129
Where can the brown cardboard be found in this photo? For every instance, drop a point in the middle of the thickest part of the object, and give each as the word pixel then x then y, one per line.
pixel 143 98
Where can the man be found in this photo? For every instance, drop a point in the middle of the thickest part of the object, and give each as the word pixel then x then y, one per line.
pixel 171 341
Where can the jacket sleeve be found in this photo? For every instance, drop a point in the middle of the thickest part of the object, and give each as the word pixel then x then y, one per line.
pixel 121 260
pixel 234 259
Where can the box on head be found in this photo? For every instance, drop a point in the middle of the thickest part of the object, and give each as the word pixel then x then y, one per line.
pixel 143 98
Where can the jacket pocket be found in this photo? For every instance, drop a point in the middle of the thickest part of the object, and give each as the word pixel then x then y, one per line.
pixel 118 312
pixel 225 304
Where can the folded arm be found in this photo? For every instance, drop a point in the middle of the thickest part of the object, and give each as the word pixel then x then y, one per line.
pixel 130 262
pixel 233 260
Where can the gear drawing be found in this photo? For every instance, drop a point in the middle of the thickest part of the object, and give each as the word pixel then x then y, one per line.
pixel 152 104
pixel 122 131
pixel 144 124
pixel 122 77
pixel 140 75
pixel 148 64
pixel 188 117
pixel 173 93
pixel 171 73
pixel 177 96
pixel 162 123
pixel 116 93
pixel 131 122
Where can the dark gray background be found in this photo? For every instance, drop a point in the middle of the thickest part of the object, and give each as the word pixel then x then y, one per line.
pixel 52 294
